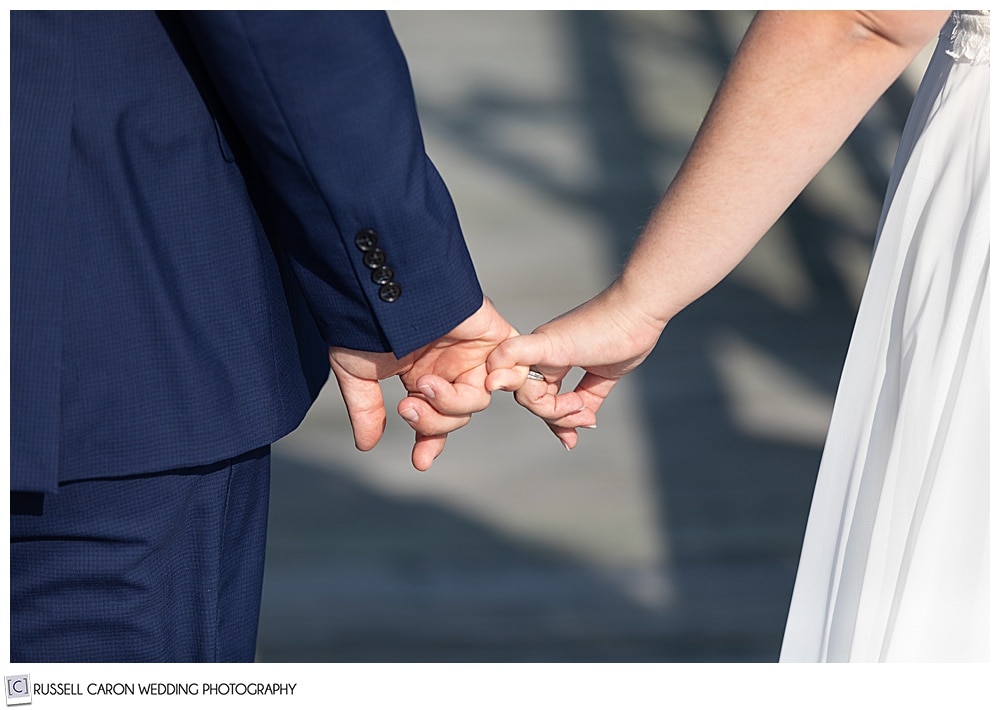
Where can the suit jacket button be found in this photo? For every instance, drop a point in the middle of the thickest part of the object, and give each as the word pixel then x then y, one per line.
pixel 390 292
pixel 366 239
pixel 374 258
pixel 382 275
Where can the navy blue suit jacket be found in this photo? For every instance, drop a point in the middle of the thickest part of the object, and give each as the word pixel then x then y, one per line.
pixel 186 191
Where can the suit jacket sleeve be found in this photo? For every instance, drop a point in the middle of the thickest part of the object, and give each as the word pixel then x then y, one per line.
pixel 324 103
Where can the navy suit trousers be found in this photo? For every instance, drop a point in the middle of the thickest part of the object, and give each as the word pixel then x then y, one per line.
pixel 163 567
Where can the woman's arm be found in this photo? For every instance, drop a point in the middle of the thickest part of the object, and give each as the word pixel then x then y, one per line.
pixel 799 83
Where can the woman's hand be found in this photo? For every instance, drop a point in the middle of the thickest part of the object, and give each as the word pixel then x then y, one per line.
pixel 607 337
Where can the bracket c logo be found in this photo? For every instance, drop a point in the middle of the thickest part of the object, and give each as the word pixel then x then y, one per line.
pixel 18 688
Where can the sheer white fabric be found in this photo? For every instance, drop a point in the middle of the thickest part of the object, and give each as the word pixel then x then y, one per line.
pixel 969 37
pixel 895 561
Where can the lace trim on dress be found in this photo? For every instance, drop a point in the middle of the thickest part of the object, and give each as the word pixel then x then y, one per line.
pixel 968 32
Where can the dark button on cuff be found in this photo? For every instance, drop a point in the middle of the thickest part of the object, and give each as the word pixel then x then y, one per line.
pixel 382 275
pixel 366 239
pixel 390 292
pixel 375 258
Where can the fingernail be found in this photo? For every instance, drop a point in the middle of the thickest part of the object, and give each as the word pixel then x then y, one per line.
pixel 591 426
pixel 427 391
pixel 410 415
pixel 565 445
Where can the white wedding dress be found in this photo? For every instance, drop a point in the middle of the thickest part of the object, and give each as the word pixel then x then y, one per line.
pixel 895 561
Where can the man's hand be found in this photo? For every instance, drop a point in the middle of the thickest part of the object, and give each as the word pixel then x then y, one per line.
pixel 445 382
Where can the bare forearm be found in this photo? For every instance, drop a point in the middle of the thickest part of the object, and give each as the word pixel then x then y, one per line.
pixel 798 85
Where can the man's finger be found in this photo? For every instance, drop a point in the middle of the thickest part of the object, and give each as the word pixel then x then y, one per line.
pixel 426 449
pixel 427 421
pixel 364 407
pixel 462 397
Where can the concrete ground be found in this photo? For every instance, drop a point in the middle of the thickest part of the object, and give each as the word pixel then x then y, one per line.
pixel 672 532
